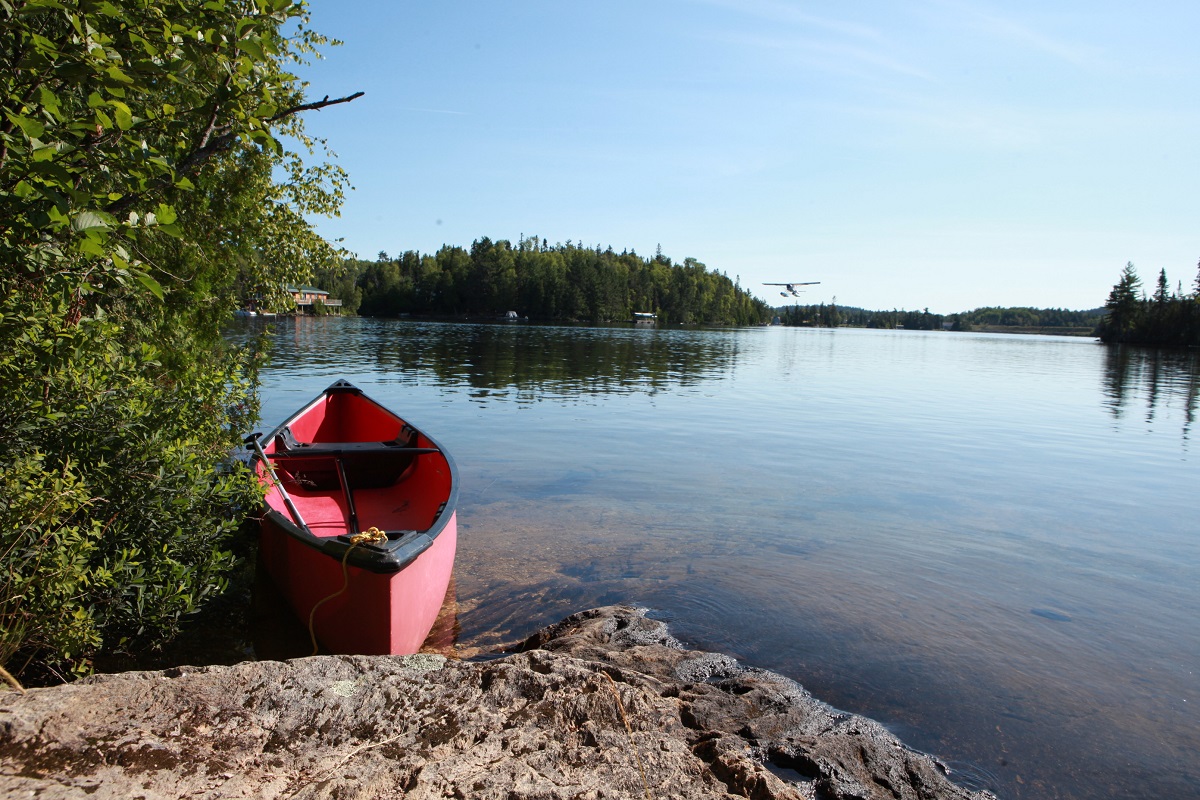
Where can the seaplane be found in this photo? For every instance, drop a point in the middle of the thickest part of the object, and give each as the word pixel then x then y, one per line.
pixel 791 287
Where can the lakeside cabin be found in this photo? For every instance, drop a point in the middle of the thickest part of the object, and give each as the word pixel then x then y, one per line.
pixel 305 296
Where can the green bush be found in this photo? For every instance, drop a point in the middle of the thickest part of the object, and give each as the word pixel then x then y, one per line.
pixel 114 522
pixel 145 191
pixel 48 540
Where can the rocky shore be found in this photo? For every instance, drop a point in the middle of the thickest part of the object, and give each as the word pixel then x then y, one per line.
pixel 605 704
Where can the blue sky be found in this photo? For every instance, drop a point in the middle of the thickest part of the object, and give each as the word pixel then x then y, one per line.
pixel 946 154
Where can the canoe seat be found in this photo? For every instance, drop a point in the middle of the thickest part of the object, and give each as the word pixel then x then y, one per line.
pixel 368 465
pixel 285 442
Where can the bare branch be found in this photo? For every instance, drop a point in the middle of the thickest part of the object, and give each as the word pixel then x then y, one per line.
pixel 218 139
pixel 317 106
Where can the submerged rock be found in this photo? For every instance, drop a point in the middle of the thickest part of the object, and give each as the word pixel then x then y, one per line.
pixel 605 704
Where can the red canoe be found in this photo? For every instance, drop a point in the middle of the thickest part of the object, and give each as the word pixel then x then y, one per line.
pixel 358 498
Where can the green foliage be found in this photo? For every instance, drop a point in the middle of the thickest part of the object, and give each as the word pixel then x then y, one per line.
pixel 48 539
pixel 113 523
pixel 139 144
pixel 543 282
pixel 825 315
pixel 1125 308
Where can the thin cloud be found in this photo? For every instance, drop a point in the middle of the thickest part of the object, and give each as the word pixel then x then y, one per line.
pixel 826 55
pixel 987 20
pixel 775 11
pixel 825 43
pixel 433 111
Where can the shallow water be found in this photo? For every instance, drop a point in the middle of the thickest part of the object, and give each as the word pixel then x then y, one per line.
pixel 986 542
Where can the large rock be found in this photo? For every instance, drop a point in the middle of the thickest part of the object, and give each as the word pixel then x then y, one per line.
pixel 604 704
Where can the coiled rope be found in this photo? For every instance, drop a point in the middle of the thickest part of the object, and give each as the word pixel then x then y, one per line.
pixel 371 535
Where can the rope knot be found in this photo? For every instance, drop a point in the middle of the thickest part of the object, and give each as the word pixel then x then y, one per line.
pixel 371 534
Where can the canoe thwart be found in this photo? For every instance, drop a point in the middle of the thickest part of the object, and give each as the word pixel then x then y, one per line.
pixel 335 449
pixel 286 445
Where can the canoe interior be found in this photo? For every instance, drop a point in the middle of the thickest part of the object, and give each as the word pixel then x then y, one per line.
pixel 345 417
pixel 392 489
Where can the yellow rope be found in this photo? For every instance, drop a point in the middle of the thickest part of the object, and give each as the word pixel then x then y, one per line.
pixel 370 535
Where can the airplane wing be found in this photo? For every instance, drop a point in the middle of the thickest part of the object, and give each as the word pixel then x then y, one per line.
pixel 794 283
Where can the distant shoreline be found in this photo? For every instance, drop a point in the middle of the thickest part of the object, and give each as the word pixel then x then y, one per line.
pixel 1041 330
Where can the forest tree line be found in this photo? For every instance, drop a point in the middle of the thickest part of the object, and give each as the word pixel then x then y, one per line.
pixel 1164 319
pixel 574 282
pixel 1024 318
pixel 541 281
pixel 1044 320
pixel 831 315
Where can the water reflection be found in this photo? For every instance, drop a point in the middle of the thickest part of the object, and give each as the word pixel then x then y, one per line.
pixel 522 363
pixel 1154 379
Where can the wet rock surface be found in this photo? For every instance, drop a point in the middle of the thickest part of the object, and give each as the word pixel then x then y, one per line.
pixel 605 704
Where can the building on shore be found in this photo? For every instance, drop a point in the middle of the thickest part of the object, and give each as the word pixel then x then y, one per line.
pixel 307 297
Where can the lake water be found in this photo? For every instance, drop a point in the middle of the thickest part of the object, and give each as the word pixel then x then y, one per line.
pixel 988 543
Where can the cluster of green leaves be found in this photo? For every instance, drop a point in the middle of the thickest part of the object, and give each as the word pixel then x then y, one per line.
pixel 140 142
pixel 544 282
pixel 1166 319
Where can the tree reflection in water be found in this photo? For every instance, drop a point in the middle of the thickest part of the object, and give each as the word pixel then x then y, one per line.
pixel 1153 379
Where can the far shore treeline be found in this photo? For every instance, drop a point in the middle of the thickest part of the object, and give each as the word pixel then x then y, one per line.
pixel 542 281
pixel 990 319
pixel 573 282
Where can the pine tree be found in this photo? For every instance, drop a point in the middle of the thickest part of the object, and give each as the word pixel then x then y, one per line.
pixel 1163 292
pixel 1124 307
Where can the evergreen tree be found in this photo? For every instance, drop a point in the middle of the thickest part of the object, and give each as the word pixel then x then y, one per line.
pixel 1124 307
pixel 1162 292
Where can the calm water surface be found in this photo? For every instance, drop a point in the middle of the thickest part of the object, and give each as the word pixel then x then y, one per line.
pixel 988 543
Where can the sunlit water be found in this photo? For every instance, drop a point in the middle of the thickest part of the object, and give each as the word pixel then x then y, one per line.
pixel 988 543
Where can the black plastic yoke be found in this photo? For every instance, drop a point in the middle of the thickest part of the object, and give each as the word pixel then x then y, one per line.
pixel 336 449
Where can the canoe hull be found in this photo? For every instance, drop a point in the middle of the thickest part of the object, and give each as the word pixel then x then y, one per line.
pixel 346 465
pixel 378 613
